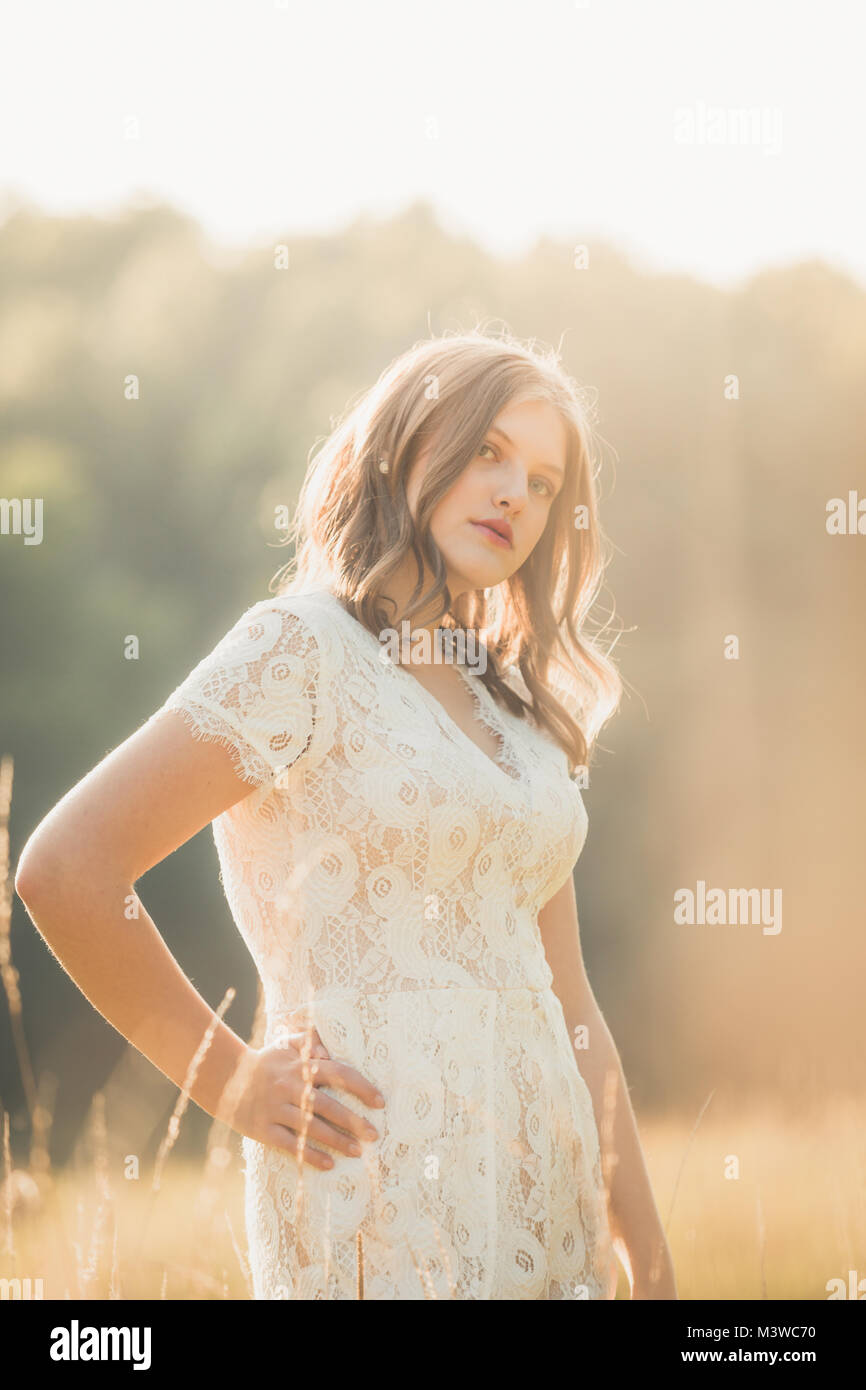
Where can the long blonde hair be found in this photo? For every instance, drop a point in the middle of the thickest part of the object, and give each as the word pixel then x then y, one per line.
pixel 353 528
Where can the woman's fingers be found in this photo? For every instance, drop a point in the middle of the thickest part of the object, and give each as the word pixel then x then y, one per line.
pixel 316 1073
pixel 318 1129
pixel 317 1069
pixel 340 1117
pixel 308 1041
pixel 288 1142
pixel 341 1077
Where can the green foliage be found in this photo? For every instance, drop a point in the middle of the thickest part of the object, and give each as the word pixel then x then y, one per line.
pixel 156 524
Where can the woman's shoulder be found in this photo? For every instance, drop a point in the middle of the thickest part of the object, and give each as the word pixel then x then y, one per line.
pixel 308 604
pixel 266 689
pixel 306 616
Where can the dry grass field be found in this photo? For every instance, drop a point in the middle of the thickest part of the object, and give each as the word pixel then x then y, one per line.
pixel 794 1218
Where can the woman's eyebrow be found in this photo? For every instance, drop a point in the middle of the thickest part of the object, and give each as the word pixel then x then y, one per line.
pixel 554 467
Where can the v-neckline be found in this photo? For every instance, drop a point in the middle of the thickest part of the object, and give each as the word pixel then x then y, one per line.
pixel 477 691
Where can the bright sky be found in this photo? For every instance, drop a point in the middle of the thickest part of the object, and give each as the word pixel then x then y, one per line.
pixel 577 118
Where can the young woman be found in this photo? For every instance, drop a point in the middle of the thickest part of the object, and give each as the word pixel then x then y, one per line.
pixel 438 1109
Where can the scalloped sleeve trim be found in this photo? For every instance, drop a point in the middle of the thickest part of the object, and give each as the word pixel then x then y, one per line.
pixel 261 694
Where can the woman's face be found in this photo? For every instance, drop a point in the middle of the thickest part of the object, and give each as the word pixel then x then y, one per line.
pixel 515 477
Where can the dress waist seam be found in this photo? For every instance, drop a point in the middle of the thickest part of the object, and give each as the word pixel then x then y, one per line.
pixel 327 995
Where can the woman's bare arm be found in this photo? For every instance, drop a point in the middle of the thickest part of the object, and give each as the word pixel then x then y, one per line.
pixel 634 1218
pixel 77 876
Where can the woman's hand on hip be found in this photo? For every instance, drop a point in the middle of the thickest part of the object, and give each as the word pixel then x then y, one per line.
pixel 282 1105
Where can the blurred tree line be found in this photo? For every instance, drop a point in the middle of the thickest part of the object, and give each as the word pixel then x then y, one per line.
pixel 728 420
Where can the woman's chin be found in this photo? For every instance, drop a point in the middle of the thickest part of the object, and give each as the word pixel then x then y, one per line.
pixel 477 576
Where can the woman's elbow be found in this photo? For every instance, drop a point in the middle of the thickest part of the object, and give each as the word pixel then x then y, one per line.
pixel 38 874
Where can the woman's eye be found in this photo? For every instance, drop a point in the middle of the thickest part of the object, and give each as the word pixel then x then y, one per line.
pixel 549 489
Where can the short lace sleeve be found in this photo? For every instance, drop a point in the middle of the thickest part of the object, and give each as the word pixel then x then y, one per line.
pixel 261 693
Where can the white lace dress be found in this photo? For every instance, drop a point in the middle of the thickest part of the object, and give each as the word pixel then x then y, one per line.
pixel 386 875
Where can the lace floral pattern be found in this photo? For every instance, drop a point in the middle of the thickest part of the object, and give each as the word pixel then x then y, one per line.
pixel 386 874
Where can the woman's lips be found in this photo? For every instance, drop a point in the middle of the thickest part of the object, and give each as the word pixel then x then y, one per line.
pixel 491 535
